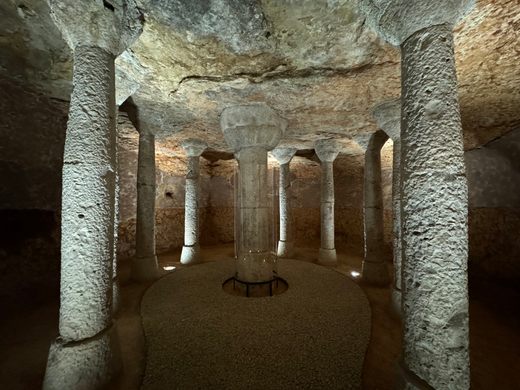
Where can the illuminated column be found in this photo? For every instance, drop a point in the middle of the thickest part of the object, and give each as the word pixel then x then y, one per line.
pixel 434 191
pixel 388 117
pixel 123 92
pixel 374 266
pixel 84 356
pixel 115 275
pixel 284 157
pixel 191 249
pixel 251 131
pixel 327 150
pixel 144 263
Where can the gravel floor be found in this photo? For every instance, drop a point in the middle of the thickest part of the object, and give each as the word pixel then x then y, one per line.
pixel 313 336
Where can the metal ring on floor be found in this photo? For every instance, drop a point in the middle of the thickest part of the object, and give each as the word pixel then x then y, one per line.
pixel 248 284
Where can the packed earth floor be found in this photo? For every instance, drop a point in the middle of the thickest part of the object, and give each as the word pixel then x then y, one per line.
pixel 494 331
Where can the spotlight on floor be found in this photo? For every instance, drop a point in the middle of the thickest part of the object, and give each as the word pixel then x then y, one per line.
pixel 355 274
pixel 168 267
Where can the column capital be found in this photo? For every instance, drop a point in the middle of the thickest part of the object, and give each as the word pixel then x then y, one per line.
pixel 396 20
pixel 255 125
pixel 388 117
pixel 112 25
pixel 326 149
pixel 283 155
pixel 125 86
pixel 194 147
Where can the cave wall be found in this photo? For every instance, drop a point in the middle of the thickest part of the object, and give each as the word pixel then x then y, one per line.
pixel 348 193
pixel 169 201
pixel 32 135
pixel 220 215
pixel 494 208
pixel 217 201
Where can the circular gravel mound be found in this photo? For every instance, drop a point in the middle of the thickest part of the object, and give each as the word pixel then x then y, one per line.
pixel 314 336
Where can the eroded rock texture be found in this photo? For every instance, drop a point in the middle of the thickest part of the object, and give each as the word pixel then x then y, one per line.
pixel 494 213
pixel 318 64
pixel 32 135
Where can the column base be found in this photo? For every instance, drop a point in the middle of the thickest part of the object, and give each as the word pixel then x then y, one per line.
pixel 285 249
pixel 144 269
pixel 190 254
pixel 375 273
pixel 397 307
pixel 327 257
pixel 88 364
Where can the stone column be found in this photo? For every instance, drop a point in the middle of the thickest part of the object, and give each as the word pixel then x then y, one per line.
pixel 434 192
pixel 388 117
pixel 191 250
pixel 144 263
pixel 251 131
pixel 374 265
pixel 85 353
pixel 327 150
pixel 115 275
pixel 284 157
pixel 125 87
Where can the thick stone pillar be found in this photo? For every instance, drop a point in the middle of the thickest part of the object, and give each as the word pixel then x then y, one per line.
pixel 144 263
pixel 115 275
pixel 434 192
pixel 191 249
pixel 124 89
pixel 388 117
pixel 251 131
pixel 327 150
pixel 285 245
pixel 374 265
pixel 85 353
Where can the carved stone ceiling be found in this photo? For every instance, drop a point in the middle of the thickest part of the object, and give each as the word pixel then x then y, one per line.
pixel 314 61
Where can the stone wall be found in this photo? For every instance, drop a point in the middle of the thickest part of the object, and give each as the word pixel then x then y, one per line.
pixel 494 208
pixel 348 192
pixel 32 135
pixel 217 201
pixel 31 148
pixel 493 175
pixel 220 218
pixel 169 201
pixel 305 202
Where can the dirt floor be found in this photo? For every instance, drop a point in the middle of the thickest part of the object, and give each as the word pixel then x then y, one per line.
pixel 313 336
pixel 29 328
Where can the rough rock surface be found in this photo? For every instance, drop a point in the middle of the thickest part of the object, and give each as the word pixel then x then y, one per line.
pixel 434 214
pixel 494 214
pixel 316 62
pixel 323 71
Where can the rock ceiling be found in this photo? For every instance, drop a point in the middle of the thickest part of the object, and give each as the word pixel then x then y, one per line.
pixel 314 61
